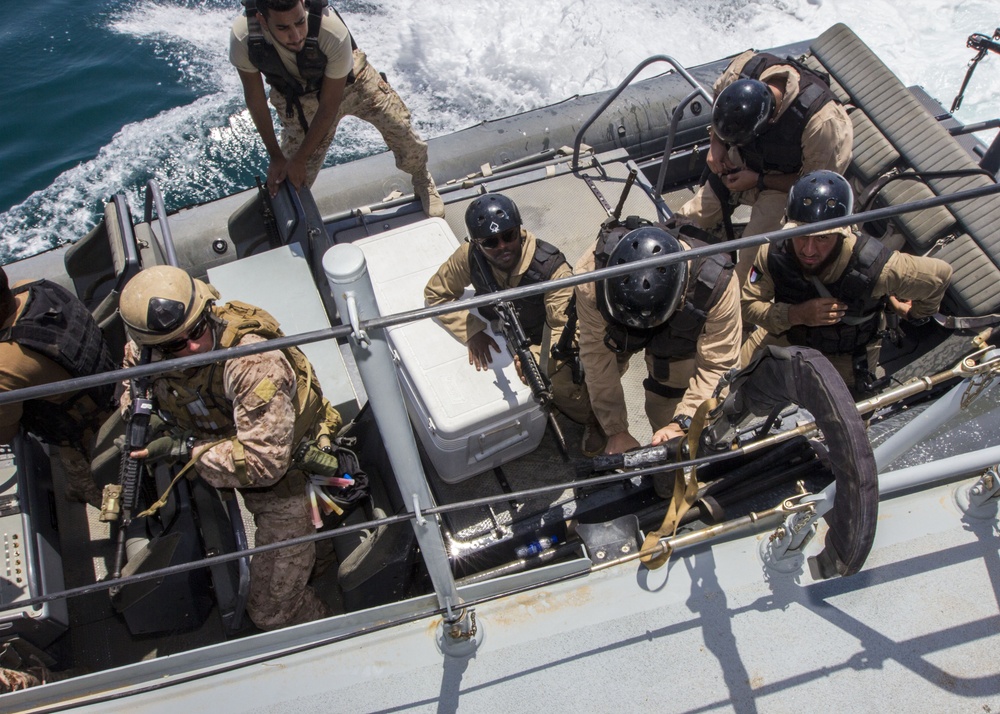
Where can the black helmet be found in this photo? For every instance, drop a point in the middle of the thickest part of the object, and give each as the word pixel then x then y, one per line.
pixel 648 296
pixel 491 215
pixel 742 111
pixel 819 196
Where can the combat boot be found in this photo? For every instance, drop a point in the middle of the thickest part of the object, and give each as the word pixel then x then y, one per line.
pixel 430 199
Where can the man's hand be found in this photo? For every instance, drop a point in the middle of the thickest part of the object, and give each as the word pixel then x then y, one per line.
pixel 277 171
pixel 517 366
pixel 295 170
pixel 479 351
pixel 670 431
pixel 718 158
pixel 168 449
pixel 901 307
pixel 741 180
pixel 817 312
pixel 620 443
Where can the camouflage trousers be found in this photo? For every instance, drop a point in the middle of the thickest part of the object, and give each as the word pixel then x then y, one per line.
pixel 371 99
pixel 279 594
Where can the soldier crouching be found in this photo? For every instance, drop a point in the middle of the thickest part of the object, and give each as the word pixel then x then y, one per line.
pixel 239 419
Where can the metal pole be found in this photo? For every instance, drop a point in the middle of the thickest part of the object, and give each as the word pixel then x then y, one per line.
pixel 347 273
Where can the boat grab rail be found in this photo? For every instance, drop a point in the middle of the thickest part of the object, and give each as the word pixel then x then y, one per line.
pixel 179 363
pixel 154 197
pixel 674 118
pixel 983 363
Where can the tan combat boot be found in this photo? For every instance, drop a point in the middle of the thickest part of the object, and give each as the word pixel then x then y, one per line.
pixel 430 199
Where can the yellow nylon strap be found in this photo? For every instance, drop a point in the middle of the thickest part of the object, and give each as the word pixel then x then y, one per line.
pixel 685 490
pixel 162 501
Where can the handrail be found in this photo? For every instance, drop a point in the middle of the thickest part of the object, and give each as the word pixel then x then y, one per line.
pixel 94 380
pixel 621 87
pixel 154 196
pixel 668 148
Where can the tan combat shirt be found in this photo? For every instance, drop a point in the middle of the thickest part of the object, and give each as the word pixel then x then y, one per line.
pixel 21 367
pixel 828 137
pixel 334 41
pixel 453 277
pixel 718 351
pixel 908 277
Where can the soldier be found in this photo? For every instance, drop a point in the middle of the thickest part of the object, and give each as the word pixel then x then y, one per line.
pixel 240 420
pixel 515 257
pixel 830 290
pixel 684 317
pixel 48 335
pixel 317 76
pixel 773 121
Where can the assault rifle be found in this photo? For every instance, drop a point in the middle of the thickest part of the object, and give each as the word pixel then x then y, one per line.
pixel 267 215
pixel 136 436
pixel 565 349
pixel 520 347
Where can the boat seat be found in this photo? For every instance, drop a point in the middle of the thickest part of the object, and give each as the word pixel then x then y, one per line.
pixel 893 130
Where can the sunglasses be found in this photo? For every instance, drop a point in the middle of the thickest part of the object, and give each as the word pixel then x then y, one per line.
pixel 180 343
pixel 506 237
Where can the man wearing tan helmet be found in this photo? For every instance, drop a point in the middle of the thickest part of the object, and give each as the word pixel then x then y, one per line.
pixel 239 419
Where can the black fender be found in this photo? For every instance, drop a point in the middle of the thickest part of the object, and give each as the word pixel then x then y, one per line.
pixel 780 376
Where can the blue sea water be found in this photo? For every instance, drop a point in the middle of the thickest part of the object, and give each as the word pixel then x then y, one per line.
pixel 106 94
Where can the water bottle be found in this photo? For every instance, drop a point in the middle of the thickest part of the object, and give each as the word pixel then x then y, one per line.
pixel 536 547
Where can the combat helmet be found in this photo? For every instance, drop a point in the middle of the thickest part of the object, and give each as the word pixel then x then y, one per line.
pixel 491 215
pixel 742 111
pixel 163 303
pixel 649 295
pixel 819 196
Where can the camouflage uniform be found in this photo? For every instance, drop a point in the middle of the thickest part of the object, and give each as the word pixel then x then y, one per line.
pixel 371 99
pixel 253 405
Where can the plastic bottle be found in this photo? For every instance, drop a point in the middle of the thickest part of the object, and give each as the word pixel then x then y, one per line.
pixel 536 547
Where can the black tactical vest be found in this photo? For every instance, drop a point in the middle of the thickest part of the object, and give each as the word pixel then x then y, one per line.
pixel 677 338
pixel 57 325
pixel 854 288
pixel 530 310
pixel 779 149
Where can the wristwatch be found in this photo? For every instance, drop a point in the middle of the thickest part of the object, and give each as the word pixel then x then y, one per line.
pixel 760 181
pixel 683 421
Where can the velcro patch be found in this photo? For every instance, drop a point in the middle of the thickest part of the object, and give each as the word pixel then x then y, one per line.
pixel 265 389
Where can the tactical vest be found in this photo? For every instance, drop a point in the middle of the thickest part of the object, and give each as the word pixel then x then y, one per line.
pixel 199 403
pixel 530 310
pixel 854 288
pixel 56 324
pixel 677 338
pixel 310 60
pixel 779 149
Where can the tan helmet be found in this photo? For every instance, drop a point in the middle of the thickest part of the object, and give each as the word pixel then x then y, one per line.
pixel 162 303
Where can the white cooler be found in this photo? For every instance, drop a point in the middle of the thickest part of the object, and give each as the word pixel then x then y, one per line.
pixel 467 421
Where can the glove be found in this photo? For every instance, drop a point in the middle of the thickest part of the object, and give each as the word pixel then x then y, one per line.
pixel 311 459
pixel 169 448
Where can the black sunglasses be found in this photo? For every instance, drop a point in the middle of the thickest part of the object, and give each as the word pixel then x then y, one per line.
pixel 180 343
pixel 506 237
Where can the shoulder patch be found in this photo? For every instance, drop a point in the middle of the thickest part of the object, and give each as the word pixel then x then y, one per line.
pixel 265 389
pixel 754 274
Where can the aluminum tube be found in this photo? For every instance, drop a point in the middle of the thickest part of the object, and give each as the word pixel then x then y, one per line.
pixel 347 273
pixel 940 412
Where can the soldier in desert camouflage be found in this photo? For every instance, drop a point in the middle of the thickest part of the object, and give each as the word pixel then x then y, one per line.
pixel 239 419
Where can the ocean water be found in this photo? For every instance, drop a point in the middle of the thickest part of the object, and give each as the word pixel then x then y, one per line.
pixel 107 94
